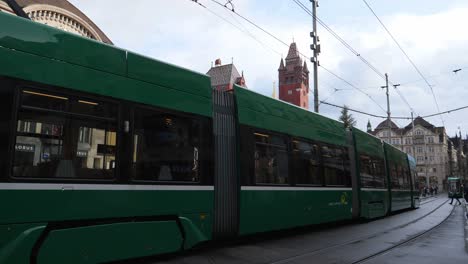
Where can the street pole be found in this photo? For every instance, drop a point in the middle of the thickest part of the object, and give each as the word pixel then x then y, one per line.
pixel 388 110
pixel 412 135
pixel 316 48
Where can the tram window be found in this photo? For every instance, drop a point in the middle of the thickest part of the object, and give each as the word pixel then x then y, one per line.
pixel 90 107
pixel 334 166
pixel 306 166
pixel 44 100
pixel 406 179
pixel 168 147
pixel 372 172
pixel 401 177
pixel 347 167
pixel 62 144
pixel 379 173
pixel 271 159
pixel 367 171
pixel 394 177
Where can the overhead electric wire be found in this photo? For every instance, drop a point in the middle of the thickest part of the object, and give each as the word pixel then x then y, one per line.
pixel 341 40
pixel 362 112
pixel 355 87
pixel 245 31
pixel 349 47
pixel 402 97
pixel 446 112
pixel 436 75
pixel 250 22
pixel 287 45
pixel 407 57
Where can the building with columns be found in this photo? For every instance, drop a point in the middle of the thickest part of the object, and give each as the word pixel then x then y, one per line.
pixel 293 79
pixel 59 14
pixel 427 143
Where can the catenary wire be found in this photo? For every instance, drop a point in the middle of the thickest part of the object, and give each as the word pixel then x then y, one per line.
pixel 349 47
pixel 284 43
pixel 362 112
pixel 408 58
pixel 340 39
pixel 245 31
pixel 355 87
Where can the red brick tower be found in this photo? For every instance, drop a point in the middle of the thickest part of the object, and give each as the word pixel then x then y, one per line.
pixel 294 79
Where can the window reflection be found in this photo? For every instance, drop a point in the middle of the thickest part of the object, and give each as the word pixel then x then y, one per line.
pixel 59 144
pixel 335 166
pixel 167 147
pixel 271 159
pixel 372 172
pixel 307 163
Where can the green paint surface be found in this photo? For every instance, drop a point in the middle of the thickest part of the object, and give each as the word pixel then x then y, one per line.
pixel 39 53
pixel 103 243
pixel 374 203
pixel 160 73
pixel 396 155
pixel 401 200
pixel 17 242
pixel 262 211
pixel 368 144
pixel 45 41
pixel 266 113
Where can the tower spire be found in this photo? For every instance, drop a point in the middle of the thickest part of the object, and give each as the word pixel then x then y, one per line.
pixel 293 78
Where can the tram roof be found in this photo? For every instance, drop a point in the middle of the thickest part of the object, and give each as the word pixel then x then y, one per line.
pixel 264 112
pixel 118 73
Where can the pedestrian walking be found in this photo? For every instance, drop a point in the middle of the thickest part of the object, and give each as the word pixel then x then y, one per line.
pixel 466 192
pixel 436 189
pixel 455 195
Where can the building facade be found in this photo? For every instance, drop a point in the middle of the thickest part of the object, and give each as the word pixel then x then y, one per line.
pixel 223 77
pixel 427 143
pixel 59 14
pixel 293 79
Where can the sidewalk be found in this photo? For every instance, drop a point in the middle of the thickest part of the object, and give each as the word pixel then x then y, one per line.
pixel 466 225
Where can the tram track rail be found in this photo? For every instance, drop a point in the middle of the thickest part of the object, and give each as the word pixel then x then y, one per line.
pixel 370 236
pixel 407 241
pixel 428 200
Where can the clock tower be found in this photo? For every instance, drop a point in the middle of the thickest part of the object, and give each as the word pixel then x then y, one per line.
pixel 293 77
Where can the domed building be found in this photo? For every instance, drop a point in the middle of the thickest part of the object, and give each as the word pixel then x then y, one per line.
pixel 56 13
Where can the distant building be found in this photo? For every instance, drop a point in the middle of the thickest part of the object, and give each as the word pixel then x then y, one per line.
pixel 458 160
pixel 427 143
pixel 293 78
pixel 59 14
pixel 223 77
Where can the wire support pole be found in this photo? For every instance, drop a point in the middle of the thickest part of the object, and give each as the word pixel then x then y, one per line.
pixel 316 49
pixel 388 110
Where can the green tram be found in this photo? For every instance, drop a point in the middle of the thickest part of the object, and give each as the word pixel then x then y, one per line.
pixel 108 155
pixel 455 189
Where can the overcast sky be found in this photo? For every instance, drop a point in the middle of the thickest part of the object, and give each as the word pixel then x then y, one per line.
pixel 432 32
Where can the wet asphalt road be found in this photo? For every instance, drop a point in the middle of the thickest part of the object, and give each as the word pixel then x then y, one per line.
pixel 445 244
pixel 350 243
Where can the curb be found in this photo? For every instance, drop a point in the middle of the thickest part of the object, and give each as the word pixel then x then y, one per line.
pixel 466 226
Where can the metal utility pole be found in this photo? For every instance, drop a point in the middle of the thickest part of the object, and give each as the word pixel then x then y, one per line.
pixel 412 134
pixel 388 110
pixel 316 48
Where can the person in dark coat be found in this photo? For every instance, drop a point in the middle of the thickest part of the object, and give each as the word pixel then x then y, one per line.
pixel 456 195
pixel 466 192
